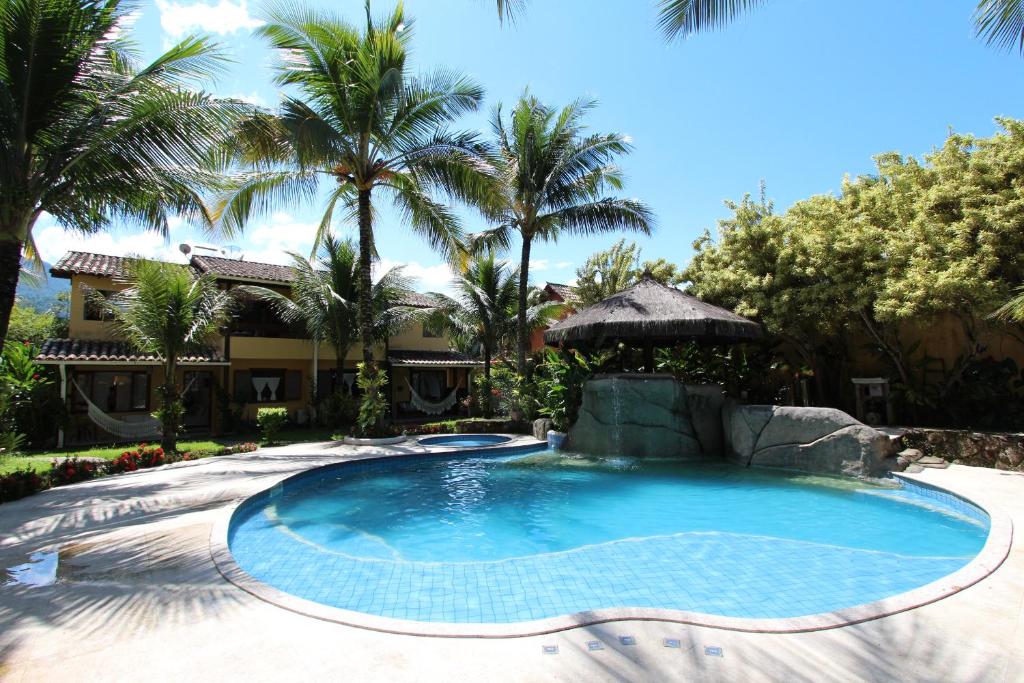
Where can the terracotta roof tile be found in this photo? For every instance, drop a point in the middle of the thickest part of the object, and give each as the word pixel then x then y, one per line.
pixel 77 350
pixel 228 268
pixel 86 263
pixel 565 293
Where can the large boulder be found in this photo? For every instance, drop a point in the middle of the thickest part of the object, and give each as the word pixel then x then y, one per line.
pixel 648 416
pixel 540 428
pixel 817 440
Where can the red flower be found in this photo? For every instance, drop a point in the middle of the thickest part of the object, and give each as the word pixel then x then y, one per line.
pixel 35 375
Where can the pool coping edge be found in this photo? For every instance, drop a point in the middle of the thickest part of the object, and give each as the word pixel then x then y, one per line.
pixel 992 555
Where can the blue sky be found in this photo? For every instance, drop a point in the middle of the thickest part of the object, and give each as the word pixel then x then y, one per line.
pixel 798 94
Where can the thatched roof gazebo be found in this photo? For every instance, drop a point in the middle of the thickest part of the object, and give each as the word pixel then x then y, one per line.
pixel 650 314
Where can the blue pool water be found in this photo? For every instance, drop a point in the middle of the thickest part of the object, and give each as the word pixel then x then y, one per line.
pixel 465 440
pixel 471 538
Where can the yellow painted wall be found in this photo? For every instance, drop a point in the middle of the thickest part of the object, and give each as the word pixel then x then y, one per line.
pixel 78 326
pixel 412 339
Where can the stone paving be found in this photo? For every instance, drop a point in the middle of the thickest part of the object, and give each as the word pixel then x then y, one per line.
pixel 138 597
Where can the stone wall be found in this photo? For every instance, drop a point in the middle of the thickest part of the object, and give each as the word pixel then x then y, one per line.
pixel 648 416
pixel 818 440
pixel 999 450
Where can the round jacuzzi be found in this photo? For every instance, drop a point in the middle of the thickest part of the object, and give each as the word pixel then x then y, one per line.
pixel 465 440
pixel 492 538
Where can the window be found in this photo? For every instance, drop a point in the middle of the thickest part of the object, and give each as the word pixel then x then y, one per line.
pixel 92 311
pixel 120 392
pixel 268 385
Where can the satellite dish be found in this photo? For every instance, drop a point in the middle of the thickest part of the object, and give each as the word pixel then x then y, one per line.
pixel 184 248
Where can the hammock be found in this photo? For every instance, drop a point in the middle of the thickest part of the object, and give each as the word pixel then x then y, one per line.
pixel 143 428
pixel 430 407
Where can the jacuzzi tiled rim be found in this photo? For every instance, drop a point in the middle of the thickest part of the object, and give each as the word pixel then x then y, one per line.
pixel 994 552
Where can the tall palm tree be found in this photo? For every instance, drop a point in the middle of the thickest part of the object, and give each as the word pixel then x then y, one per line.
pixel 997 22
pixel 552 180
pixel 483 313
pixel 362 121
pixel 325 298
pixel 168 311
pixel 88 135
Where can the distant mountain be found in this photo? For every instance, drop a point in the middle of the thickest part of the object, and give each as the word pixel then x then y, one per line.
pixel 43 294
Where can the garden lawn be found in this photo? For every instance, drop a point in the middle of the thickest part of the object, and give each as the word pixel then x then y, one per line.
pixel 40 461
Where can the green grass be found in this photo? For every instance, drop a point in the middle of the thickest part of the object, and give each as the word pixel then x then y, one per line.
pixel 40 461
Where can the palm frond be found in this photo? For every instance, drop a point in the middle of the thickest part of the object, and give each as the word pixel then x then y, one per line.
pixel 1001 23
pixel 684 18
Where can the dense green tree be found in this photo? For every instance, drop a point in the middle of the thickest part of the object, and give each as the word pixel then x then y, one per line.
pixel 554 179
pixel 618 268
pixel 169 311
pixel 28 324
pixel 88 135
pixel 914 242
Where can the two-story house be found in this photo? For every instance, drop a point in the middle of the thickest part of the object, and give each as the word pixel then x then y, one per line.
pixel 259 361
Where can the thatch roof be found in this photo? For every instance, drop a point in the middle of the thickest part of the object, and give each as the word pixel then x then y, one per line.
pixel 650 312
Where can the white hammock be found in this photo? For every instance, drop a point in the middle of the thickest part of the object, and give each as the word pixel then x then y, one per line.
pixel 147 427
pixel 429 407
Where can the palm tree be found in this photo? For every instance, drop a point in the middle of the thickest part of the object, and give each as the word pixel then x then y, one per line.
pixel 325 298
pixel 483 313
pixel 88 135
pixel 552 180
pixel 168 311
pixel 369 126
pixel 998 22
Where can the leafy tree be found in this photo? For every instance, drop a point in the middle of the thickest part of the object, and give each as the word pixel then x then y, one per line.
pixel 553 179
pixel 29 325
pixel 618 268
pixel 168 311
pixel 916 242
pixel 325 298
pixel 360 119
pixel 87 134
pixel 484 311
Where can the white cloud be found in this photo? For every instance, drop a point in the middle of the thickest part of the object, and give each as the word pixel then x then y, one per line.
pixel 53 241
pixel 225 17
pixel 252 98
pixel 270 242
pixel 563 264
pixel 539 264
pixel 429 278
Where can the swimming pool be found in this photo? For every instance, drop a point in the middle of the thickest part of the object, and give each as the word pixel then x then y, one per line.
pixel 484 539
pixel 464 440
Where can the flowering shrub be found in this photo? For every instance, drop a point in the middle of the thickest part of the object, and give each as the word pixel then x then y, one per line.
pixel 20 483
pixel 271 421
pixel 247 447
pixel 142 457
pixel 72 470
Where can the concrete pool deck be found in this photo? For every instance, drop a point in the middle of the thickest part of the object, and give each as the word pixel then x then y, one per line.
pixel 138 596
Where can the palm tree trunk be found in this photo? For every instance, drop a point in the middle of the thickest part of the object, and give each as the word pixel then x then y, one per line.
pixel 522 334
pixel 365 276
pixel 10 270
pixel 169 408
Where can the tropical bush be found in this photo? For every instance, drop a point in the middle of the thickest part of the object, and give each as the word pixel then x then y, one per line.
pixel 559 381
pixel 337 409
pixel 374 404
pixel 72 470
pixel 270 422
pixel 30 404
pixel 142 457
pixel 749 372
pixel 20 483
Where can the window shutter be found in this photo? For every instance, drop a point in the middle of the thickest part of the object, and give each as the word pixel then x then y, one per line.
pixel 293 385
pixel 243 386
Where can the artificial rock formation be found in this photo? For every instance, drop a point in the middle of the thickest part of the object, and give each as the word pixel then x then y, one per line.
pixel 648 416
pixel 818 440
